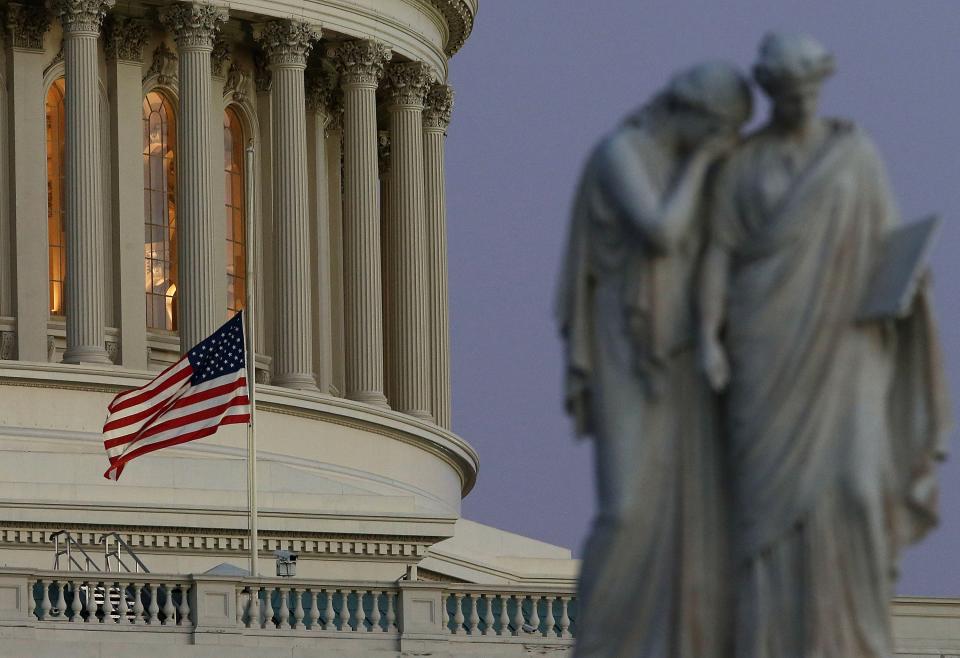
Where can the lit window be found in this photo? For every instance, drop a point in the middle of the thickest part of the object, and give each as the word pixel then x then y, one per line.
pixel 160 211
pixel 236 221
pixel 56 236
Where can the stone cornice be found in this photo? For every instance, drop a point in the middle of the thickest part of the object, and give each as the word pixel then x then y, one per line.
pixel 438 106
pixel 459 16
pixel 287 43
pixel 82 16
pixel 193 25
pixel 407 83
pixel 124 39
pixel 360 61
pixel 305 404
pixel 219 542
pixel 27 24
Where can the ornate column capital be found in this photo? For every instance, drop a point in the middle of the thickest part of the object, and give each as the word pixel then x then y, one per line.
pixel 79 16
pixel 321 92
pixel 407 83
pixel 360 61
pixel 262 76
pixel 193 25
pixel 438 106
pixel 125 38
pixel 288 42
pixel 27 24
pixel 219 57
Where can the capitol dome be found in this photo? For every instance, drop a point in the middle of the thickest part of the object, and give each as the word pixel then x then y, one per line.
pixel 124 208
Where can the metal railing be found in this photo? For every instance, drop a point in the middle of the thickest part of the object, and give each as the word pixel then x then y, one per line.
pixel 64 545
pixel 113 544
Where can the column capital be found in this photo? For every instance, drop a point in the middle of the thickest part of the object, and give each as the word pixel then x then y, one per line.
pixel 407 83
pixel 287 42
pixel 82 16
pixel 219 57
pixel 193 25
pixel 360 61
pixel 322 92
pixel 438 106
pixel 27 24
pixel 125 38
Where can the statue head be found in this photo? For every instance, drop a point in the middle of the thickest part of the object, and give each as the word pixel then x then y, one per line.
pixel 708 100
pixel 790 68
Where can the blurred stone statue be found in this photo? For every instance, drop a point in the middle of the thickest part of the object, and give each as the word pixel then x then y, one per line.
pixel 833 417
pixel 752 348
pixel 654 582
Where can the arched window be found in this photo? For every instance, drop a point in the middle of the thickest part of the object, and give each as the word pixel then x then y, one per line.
pixel 236 220
pixel 160 211
pixel 56 235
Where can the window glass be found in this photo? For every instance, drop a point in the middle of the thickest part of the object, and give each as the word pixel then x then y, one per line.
pixel 160 211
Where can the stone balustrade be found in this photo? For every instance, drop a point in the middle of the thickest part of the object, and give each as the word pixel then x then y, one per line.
pixel 387 617
pixel 352 619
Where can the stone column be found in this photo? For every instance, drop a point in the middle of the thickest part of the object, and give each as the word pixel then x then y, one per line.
pixel 436 118
pixel 320 89
pixel 334 149
pixel 194 27
pixel 388 245
pixel 361 65
pixel 219 59
pixel 264 272
pixel 124 43
pixel 406 86
pixel 287 44
pixel 26 26
pixel 81 20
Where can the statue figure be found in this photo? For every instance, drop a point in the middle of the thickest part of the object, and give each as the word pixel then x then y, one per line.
pixel 653 582
pixel 833 420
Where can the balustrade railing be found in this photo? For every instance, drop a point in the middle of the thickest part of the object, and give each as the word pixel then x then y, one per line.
pixel 91 599
pixel 316 607
pixel 492 612
pixel 191 604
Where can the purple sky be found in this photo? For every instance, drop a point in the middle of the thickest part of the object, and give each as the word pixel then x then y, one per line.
pixel 537 84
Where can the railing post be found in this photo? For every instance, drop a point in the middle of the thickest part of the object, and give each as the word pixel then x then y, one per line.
pixel 214 604
pixel 16 600
pixel 420 616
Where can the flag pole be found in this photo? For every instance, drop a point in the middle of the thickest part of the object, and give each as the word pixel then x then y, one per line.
pixel 250 325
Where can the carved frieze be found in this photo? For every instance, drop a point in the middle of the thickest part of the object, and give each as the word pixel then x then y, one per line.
pixel 164 65
pixel 360 61
pixel 438 106
pixel 27 24
pixel 287 42
pixel 125 38
pixel 236 84
pixel 193 25
pixel 219 57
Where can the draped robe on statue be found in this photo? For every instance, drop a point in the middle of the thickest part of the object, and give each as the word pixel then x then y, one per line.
pixel 832 423
pixel 652 577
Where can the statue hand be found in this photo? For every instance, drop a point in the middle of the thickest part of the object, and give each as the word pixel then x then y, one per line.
pixel 717 146
pixel 715 364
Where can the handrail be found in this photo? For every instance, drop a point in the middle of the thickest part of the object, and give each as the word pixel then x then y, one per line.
pixel 70 541
pixel 104 539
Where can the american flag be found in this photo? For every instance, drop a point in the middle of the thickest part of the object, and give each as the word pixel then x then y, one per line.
pixel 189 400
